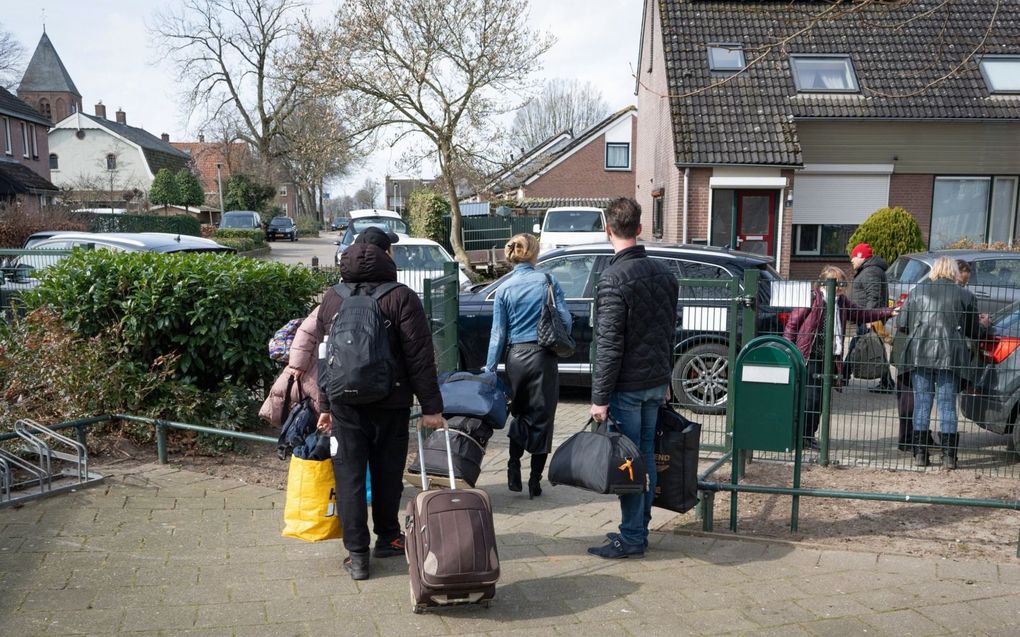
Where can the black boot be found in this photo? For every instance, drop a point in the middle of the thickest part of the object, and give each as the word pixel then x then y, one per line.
pixel 921 448
pixel 950 445
pixel 904 442
pixel 513 467
pixel 357 565
pixel 535 479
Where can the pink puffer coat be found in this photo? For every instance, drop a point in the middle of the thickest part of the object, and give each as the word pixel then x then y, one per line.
pixel 303 360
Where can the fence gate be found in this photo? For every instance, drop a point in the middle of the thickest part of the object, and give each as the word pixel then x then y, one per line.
pixel 442 304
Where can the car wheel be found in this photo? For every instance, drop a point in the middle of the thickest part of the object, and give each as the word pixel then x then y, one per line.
pixel 701 378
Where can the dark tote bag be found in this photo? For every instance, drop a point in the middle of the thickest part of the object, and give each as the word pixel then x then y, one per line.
pixel 867 360
pixel 299 421
pixel 676 461
pixel 602 461
pixel 552 333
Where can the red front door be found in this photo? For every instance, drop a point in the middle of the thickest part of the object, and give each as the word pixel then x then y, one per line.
pixel 756 221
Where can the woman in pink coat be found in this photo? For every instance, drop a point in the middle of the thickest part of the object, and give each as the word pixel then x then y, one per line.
pixel 303 367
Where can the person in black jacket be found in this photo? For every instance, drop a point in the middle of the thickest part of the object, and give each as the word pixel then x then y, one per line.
pixel 869 290
pixel 636 309
pixel 376 434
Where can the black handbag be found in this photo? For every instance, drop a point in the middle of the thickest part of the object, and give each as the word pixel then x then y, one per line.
pixel 299 423
pixel 552 333
pixel 602 461
pixel 676 461
pixel 867 360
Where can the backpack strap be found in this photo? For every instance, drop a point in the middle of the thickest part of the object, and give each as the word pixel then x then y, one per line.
pixel 346 290
pixel 385 289
pixel 343 290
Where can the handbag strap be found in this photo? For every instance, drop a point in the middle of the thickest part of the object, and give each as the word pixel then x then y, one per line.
pixel 606 424
pixel 549 289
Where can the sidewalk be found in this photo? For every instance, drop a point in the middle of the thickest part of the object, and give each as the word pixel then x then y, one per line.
pixel 160 550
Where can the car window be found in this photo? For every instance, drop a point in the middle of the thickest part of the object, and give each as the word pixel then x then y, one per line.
pixel 573 221
pixel 386 223
pixel 908 270
pixel 696 270
pixel 1000 272
pixel 238 221
pixel 572 273
pixel 348 238
pixel 412 257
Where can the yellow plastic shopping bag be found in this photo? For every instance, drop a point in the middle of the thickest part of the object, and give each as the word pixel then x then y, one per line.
pixel 310 513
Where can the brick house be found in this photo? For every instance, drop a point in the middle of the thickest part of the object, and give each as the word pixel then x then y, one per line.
pixel 24 172
pixel 762 130
pixel 397 191
pixel 595 163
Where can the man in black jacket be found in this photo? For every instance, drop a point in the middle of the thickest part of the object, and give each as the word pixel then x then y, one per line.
pixel 376 434
pixel 636 310
pixel 869 290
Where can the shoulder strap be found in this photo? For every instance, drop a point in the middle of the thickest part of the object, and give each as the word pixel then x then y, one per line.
pixel 343 290
pixel 385 289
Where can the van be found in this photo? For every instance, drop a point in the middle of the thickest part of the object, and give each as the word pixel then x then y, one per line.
pixel 570 226
pixel 241 220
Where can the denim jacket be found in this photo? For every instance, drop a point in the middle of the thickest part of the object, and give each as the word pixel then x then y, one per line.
pixel 517 308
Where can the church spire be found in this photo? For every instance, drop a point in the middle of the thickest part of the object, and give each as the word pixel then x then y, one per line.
pixel 47 85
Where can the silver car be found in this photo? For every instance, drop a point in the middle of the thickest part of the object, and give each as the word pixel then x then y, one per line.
pixel 994 279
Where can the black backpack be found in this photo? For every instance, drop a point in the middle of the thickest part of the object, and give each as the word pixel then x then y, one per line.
pixel 359 367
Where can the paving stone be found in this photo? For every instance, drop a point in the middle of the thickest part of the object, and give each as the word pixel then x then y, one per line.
pixel 86 622
pixel 59 600
pixel 905 565
pixel 902 622
pixel 234 614
pixel 168 618
pixel 308 609
pixel 840 627
pixel 779 613
pixel 704 622
pixel 969 570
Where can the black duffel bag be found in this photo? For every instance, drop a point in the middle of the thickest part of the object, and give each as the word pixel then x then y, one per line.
pixel 468 439
pixel 676 461
pixel 602 461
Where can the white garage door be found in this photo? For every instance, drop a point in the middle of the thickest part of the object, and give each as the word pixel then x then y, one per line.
pixel 838 198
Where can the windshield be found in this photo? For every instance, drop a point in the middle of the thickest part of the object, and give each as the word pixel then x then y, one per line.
pixel 386 223
pixel 573 221
pixel 907 270
pixel 238 221
pixel 411 257
pixel 281 221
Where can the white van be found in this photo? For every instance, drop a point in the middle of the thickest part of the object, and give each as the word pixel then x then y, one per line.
pixel 570 226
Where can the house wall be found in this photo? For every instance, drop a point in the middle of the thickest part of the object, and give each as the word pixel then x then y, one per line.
pixel 83 161
pixel 914 194
pixel 655 156
pixel 584 174
pixel 37 162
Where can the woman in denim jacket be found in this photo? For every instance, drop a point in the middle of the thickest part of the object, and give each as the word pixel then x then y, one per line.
pixel 531 368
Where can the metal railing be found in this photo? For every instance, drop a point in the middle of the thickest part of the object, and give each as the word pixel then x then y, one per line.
pixel 442 305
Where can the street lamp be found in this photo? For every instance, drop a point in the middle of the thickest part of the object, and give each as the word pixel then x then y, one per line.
pixel 219 185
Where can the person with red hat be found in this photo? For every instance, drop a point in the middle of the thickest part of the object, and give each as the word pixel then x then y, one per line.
pixel 870 290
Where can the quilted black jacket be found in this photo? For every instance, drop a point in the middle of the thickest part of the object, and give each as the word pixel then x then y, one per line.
pixel 636 325
pixel 869 289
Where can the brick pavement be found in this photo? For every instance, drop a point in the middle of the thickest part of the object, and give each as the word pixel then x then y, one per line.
pixel 160 550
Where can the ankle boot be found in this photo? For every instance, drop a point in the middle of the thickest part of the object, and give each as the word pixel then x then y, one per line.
pixel 904 442
pixel 535 479
pixel 921 448
pixel 950 446
pixel 357 565
pixel 513 474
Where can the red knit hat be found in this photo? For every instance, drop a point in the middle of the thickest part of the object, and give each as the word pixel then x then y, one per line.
pixel 861 250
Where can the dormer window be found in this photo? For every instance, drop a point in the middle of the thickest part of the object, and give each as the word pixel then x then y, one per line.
pixel 725 58
pixel 1001 73
pixel 824 74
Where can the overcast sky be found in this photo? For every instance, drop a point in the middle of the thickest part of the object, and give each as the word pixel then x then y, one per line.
pixel 105 47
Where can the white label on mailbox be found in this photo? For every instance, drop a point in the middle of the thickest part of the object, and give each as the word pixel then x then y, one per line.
pixel 704 319
pixel 765 374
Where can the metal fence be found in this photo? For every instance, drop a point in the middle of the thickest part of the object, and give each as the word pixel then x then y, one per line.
pixel 442 305
pixel 487 233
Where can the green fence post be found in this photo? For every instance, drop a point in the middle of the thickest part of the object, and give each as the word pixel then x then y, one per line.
pixel 161 442
pixel 827 375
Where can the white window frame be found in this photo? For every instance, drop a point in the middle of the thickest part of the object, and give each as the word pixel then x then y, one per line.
pixel 797 251
pixel 283 191
pixel 35 141
pixel 283 207
pixel 855 84
pixel 25 149
pixel 54 159
pixel 621 168
pixel 727 46
pixel 8 144
pixel 1015 59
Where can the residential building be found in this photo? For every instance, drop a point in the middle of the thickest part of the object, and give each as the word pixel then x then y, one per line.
pixel 24 172
pixel 397 191
pixel 46 84
pixel 595 163
pixel 102 160
pixel 214 162
pixel 776 129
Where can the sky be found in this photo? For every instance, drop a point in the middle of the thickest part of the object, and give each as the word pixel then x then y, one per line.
pixel 106 49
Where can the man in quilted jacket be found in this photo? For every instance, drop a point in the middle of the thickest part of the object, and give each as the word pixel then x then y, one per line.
pixel 636 309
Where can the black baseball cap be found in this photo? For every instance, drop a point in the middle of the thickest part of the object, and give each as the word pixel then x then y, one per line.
pixel 377 236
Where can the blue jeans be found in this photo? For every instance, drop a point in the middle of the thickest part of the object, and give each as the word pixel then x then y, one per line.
pixel 938 386
pixel 635 413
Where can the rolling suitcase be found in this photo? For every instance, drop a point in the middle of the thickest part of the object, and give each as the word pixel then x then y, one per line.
pixel 451 544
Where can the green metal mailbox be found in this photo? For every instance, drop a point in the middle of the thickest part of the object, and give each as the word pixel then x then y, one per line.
pixel 768 395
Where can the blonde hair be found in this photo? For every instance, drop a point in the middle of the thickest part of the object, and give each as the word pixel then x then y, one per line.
pixel 832 272
pixel 521 248
pixel 944 268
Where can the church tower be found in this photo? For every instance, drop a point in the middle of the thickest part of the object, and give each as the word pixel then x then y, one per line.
pixel 46 84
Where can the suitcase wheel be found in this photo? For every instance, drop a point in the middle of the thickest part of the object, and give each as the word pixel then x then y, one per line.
pixel 418 609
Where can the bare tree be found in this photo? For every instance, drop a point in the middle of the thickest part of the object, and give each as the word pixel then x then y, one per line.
pixel 229 56
pixel 11 53
pixel 443 69
pixel 563 105
pixel 367 194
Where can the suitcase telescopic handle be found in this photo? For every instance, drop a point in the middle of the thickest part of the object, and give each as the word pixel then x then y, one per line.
pixel 421 457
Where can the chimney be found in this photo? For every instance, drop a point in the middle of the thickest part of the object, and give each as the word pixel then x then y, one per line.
pixel 201 138
pixel 100 109
pixel 121 117
pixel 165 137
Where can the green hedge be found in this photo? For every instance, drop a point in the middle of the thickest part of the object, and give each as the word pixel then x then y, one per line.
pixel 213 313
pixel 179 224
pixel 241 244
pixel 257 237
pixel 307 226
pixel 890 232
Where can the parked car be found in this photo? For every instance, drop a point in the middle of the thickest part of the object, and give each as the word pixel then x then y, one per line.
pixel 36 237
pixel 340 223
pixel 241 220
pixel 282 227
pixel 993 402
pixel 420 259
pixel 372 217
pixel 994 278
pixel 570 226
pixel 701 372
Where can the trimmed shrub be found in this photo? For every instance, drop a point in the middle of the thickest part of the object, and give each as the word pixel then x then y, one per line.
pixel 213 313
pixel 890 232
pixel 307 226
pixel 16 224
pixel 241 244
pixel 425 214
pixel 177 224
